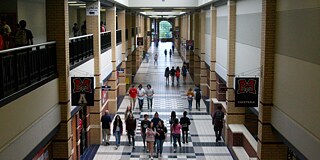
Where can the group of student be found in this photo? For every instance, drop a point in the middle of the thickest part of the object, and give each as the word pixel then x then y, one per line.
pixel 171 51
pixel 176 73
pixel 141 93
pixel 154 132
pixel 16 36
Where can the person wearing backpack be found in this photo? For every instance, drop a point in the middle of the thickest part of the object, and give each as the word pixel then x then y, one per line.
pixel 217 121
pixel 166 74
pixel 178 75
pixel 185 123
pixel 198 97
pixel 172 74
pixel 184 73
pixel 23 36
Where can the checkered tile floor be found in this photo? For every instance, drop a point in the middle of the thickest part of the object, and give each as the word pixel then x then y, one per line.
pixel 170 97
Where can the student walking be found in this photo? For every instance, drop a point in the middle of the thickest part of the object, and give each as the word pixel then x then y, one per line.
pixel 160 137
pixel 184 73
pixel 133 96
pixel 150 137
pixel 165 52
pixel 141 94
pixel 144 125
pixel 185 123
pixel 190 95
pixel 170 53
pixel 171 121
pixel 172 74
pixel 173 48
pixel 217 121
pixel 155 59
pixel 149 93
pixel 131 125
pixel 198 97
pixel 166 74
pixel 176 131
pixel 106 123
pixel 178 75
pixel 117 130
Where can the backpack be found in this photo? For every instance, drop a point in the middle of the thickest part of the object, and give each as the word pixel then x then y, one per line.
pixel 218 118
pixel 198 95
pixel 177 73
pixel 21 38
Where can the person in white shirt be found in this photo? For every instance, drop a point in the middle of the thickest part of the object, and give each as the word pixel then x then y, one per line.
pixel 141 94
pixel 149 92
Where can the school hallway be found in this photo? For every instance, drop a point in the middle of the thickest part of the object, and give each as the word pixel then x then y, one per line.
pixel 167 98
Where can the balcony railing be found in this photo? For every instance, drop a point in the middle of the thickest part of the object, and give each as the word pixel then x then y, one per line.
pixel 105 41
pixel 23 69
pixel 118 36
pixel 81 49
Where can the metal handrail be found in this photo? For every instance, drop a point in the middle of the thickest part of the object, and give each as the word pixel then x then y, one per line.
pixel 105 32
pixel 88 35
pixel 26 47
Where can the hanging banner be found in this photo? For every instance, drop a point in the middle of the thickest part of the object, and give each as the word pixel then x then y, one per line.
pixel 246 92
pixel 82 89
pixel 190 44
pixel 140 41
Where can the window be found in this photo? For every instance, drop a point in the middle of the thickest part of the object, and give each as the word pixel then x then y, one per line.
pixel 164 29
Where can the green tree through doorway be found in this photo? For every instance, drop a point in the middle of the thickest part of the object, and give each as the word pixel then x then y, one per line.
pixel 164 29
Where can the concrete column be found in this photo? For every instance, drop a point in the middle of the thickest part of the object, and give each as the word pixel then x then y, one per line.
pixel 235 115
pixel 197 51
pixel 148 29
pixel 129 44
pixel 113 81
pixel 269 145
pixel 93 27
pixel 122 76
pixel 203 66
pixel 140 49
pixel 213 77
pixel 58 30
pixel 134 57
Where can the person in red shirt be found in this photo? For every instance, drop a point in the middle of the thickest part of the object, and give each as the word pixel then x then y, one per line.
pixel 133 96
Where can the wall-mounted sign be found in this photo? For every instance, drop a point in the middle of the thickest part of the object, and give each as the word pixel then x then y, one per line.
pixel 140 41
pixel 121 70
pixel 82 90
pixel 190 44
pixel 246 92
pixel 92 9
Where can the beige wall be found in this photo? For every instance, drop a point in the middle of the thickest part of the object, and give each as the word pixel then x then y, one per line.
pixel 297 75
pixel 29 111
pixel 34 12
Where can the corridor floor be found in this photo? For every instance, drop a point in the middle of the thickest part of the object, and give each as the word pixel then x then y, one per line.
pixel 201 144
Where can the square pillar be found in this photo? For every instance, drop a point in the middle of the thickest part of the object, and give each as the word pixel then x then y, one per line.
pixel 213 78
pixel 113 80
pixel 268 140
pixel 93 27
pixel 58 30
pixel 122 76
pixel 235 115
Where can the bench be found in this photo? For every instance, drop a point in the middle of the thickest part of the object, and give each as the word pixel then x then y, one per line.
pixel 241 137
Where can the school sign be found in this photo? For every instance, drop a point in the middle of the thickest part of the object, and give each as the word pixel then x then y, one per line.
pixel 82 90
pixel 246 92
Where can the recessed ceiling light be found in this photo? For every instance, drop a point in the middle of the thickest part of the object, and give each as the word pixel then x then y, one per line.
pixel 72 2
